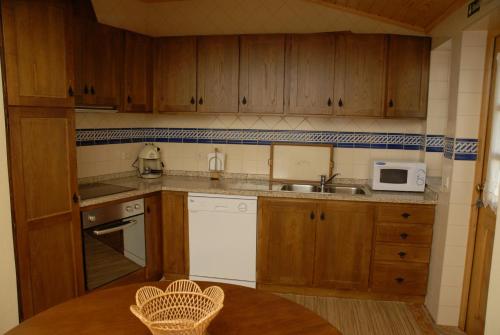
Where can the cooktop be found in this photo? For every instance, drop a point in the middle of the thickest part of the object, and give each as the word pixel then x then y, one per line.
pixel 95 190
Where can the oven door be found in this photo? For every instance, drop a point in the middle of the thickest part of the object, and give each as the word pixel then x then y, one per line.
pixel 113 250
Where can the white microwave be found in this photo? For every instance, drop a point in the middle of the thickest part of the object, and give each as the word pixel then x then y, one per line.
pixel 398 176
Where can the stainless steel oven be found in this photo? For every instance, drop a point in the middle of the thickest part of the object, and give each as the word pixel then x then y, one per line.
pixel 114 242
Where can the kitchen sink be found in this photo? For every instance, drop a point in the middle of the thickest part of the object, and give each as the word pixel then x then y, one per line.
pixel 333 188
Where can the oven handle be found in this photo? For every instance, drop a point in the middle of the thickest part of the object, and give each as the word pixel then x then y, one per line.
pixel 125 224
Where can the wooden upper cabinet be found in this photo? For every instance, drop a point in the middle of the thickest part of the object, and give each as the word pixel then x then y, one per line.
pixel 175 74
pixel 99 64
pixel 44 187
pixel 408 76
pixel 310 74
pixel 218 67
pixel 343 245
pixel 262 74
pixel 285 243
pixel 138 74
pixel 360 74
pixel 38 52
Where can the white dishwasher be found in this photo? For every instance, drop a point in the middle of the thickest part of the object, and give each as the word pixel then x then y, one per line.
pixel 222 238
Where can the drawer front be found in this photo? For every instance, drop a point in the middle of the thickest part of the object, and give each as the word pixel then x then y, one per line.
pixel 404 233
pixel 405 213
pixel 400 278
pixel 402 253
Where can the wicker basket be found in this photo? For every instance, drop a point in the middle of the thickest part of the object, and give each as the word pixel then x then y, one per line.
pixel 182 309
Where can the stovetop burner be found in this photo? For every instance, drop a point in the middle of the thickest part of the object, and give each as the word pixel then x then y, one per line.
pixel 95 190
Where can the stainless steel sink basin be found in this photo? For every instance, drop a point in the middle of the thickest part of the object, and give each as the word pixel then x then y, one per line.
pixel 334 188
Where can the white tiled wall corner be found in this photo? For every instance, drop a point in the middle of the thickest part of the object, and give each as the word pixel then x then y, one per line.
pixel 434 161
pixel 448 316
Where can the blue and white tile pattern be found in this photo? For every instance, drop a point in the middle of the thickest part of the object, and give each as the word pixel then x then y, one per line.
pixel 460 148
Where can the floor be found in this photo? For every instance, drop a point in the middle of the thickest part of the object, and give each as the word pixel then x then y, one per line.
pixel 363 317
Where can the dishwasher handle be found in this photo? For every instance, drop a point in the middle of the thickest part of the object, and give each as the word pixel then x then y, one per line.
pixel 123 226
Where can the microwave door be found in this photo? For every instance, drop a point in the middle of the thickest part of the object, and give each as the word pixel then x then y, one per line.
pixel 394 176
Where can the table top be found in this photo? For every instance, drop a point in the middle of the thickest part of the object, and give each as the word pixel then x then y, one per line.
pixel 246 311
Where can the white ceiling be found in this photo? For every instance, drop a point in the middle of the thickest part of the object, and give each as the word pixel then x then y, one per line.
pixel 213 17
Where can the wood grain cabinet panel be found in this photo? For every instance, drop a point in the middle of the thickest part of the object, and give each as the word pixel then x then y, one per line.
pixel 406 214
pixel 46 211
pixel 175 234
pixel 153 225
pixel 343 245
pixel 310 74
pixel 286 238
pixel 262 73
pixel 402 253
pixel 400 278
pixel 404 233
pixel 38 52
pixel 408 76
pixel 98 63
pixel 360 74
pixel 175 74
pixel 218 69
pixel 138 74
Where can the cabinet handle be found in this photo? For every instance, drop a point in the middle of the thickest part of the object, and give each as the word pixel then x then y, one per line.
pixel 76 199
pixel 129 99
pixel 322 216
pixel 92 90
pixel 312 216
pixel 341 103
pixel 148 210
pixel 406 215
pixel 85 89
pixel 399 280
pixel 70 91
pixel 391 103
pixel 192 101
pixel 402 254
pixel 200 102
pixel 244 101
pixel 403 236
pixel 329 103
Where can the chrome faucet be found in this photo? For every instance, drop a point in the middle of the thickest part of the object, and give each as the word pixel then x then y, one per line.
pixel 325 181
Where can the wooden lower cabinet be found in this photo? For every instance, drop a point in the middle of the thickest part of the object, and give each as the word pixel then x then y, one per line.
pixel 328 247
pixel 175 235
pixel 285 243
pixel 45 207
pixel 153 225
pixel 343 245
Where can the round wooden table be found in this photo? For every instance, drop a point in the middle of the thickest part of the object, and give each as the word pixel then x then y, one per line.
pixel 246 311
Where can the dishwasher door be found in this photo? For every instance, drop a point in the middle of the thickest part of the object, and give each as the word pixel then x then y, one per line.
pixel 222 238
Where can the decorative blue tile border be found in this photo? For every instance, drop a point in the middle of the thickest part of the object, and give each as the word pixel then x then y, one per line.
pixel 460 149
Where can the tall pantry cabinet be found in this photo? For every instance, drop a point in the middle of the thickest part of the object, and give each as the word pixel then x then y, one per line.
pixel 37 51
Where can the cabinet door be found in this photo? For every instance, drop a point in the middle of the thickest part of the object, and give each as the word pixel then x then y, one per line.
pixel 175 74
pixel 408 76
pixel 343 245
pixel 175 234
pixel 218 67
pixel 286 237
pixel 138 79
pixel 153 222
pixel 310 74
pixel 106 52
pixel 360 74
pixel 46 211
pixel 38 49
pixel 262 74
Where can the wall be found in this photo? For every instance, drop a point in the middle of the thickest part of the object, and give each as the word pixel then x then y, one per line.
pixel 8 292
pixel 455 199
pixel 352 160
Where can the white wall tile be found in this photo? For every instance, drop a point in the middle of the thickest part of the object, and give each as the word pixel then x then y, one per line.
pixel 474 38
pixel 470 81
pixel 469 104
pixel 454 255
pixel 448 316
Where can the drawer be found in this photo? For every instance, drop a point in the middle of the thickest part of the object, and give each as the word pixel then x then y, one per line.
pixel 402 253
pixel 405 213
pixel 404 233
pixel 400 278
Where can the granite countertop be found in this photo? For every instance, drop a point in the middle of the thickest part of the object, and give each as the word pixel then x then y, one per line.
pixel 250 187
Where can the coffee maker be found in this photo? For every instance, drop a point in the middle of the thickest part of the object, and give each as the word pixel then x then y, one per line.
pixel 150 164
